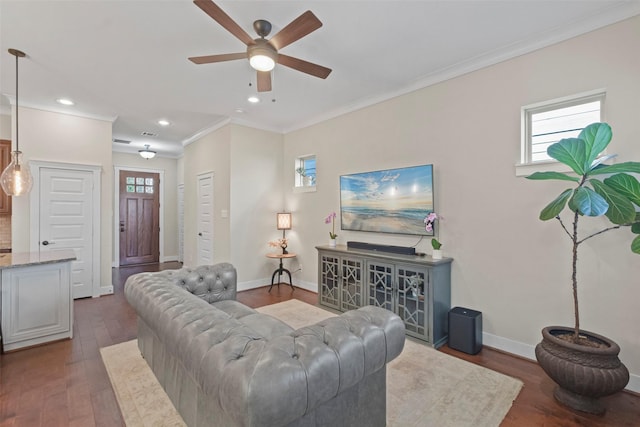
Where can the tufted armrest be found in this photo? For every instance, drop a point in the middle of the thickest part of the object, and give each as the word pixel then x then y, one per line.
pixel 211 283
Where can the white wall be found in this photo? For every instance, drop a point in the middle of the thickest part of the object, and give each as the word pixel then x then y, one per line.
pixel 170 197
pixel 508 264
pixel 56 137
pixel 256 197
pixel 5 126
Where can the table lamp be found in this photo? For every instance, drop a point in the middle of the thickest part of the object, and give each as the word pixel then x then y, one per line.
pixel 283 222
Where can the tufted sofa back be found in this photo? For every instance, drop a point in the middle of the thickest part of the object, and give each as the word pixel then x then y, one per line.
pixel 212 283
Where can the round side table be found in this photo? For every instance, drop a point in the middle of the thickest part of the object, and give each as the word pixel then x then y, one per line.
pixel 281 269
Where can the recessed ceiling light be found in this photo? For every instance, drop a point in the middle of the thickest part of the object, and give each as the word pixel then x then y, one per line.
pixel 253 99
pixel 65 101
pixel 163 122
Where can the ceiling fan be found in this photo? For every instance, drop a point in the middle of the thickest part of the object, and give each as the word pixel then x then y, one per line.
pixel 262 53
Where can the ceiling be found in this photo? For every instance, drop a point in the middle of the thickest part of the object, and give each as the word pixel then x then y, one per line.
pixel 126 61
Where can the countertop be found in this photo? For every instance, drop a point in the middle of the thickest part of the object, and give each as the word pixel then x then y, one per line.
pixel 27 259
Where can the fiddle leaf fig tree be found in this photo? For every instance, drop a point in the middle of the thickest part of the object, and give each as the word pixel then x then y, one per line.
pixel 599 189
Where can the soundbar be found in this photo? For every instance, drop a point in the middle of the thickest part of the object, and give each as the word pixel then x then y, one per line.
pixel 403 250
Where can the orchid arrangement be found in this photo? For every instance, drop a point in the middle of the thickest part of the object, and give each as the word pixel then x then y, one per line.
pixel 429 220
pixel 331 219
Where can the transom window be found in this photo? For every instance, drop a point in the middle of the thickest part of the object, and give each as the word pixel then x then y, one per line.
pixel 548 122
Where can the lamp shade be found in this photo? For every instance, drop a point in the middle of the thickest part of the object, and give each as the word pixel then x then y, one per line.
pixel 16 179
pixel 283 220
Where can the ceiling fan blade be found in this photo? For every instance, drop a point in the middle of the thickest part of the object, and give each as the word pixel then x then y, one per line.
pixel 211 9
pixel 304 66
pixel 297 29
pixel 264 81
pixel 217 58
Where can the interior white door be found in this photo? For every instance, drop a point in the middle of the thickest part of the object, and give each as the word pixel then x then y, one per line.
pixel 66 221
pixel 205 219
pixel 181 222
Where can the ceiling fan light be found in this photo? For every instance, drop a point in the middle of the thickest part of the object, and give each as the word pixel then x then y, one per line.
pixel 262 56
pixel 262 62
pixel 146 153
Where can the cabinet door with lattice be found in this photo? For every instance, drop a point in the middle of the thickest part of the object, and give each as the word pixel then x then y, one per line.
pixel 352 294
pixel 329 286
pixel 413 290
pixel 380 284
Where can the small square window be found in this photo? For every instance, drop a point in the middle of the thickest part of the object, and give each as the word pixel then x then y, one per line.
pixel 148 190
pixel 131 180
pixel 140 189
pixel 549 122
pixel 131 188
pixel 148 181
pixel 305 171
pixel 139 181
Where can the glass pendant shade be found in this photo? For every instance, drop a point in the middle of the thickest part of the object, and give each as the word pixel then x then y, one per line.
pixel 146 153
pixel 16 179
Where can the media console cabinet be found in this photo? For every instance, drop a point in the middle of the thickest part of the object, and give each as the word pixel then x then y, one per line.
pixel 36 302
pixel 416 288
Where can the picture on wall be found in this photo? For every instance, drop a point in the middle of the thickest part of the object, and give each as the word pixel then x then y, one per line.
pixel 387 201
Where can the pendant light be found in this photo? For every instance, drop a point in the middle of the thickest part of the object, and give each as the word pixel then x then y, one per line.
pixel 146 153
pixel 16 178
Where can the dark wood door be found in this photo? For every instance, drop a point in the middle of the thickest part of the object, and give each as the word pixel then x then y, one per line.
pixel 139 217
pixel 5 159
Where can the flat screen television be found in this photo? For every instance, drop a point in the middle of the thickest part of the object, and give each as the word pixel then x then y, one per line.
pixel 387 201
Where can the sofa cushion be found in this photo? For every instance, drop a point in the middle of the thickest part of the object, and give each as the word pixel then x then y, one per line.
pixel 266 326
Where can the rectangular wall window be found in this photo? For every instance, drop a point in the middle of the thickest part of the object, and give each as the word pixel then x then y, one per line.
pixel 548 122
pixel 305 172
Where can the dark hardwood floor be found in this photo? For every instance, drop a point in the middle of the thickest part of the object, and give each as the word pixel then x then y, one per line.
pixel 66 384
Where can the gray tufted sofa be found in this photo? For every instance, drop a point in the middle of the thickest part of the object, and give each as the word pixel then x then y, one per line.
pixel 224 364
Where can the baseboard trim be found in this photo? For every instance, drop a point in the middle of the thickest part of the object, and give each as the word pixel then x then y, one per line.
pixel 106 290
pixel 634 383
pixel 252 284
pixel 514 347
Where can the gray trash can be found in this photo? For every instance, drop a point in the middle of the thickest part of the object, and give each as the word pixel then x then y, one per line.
pixel 465 330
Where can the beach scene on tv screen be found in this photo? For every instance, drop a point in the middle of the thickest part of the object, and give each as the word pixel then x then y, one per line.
pixel 387 201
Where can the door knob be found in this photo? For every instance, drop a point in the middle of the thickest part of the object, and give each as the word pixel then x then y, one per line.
pixel 46 242
pixel 200 234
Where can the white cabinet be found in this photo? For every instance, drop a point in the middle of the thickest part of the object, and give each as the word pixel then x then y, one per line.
pixel 37 304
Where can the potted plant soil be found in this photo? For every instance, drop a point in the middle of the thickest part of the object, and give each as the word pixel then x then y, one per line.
pixel 585 365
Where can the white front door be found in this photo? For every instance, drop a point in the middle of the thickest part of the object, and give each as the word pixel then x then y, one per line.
pixel 205 219
pixel 66 221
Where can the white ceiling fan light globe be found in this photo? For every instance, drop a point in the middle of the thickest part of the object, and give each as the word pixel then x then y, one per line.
pixel 262 63
pixel 262 56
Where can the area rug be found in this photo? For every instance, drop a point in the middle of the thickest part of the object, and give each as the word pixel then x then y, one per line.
pixel 424 386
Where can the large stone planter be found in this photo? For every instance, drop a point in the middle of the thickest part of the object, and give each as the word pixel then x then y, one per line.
pixel 583 374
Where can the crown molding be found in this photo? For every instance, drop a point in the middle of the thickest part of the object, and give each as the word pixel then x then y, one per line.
pixel 592 23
